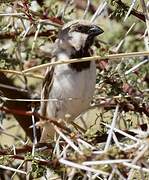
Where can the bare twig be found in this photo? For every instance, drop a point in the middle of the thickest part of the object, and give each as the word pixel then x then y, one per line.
pixel 99 10
pixel 93 58
pixel 87 8
pixel 19 73
pixel 112 128
pixel 79 166
pixel 68 140
pixel 34 133
pixel 12 169
pixel 145 11
pixel 130 9
pixel 136 66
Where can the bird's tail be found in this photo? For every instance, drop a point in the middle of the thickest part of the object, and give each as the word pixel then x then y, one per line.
pixel 48 132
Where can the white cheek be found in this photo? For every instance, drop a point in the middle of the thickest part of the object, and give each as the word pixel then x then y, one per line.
pixel 62 56
pixel 77 40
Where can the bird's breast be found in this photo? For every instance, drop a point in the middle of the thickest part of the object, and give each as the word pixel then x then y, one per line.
pixel 73 90
pixel 73 83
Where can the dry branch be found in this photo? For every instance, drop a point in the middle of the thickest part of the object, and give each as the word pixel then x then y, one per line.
pixel 93 58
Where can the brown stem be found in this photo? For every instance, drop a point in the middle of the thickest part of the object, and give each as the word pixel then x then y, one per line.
pixel 134 12
pixel 12 35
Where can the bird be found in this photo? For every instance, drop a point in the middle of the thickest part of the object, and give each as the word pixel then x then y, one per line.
pixel 69 88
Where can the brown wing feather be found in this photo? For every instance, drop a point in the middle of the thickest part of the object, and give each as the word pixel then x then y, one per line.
pixel 46 87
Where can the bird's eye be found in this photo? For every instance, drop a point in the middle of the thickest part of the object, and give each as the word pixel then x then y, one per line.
pixel 79 28
pixel 83 29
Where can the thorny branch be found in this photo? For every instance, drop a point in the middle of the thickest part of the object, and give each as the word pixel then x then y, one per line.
pixel 134 12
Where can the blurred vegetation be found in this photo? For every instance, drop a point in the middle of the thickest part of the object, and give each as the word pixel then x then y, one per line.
pixel 28 29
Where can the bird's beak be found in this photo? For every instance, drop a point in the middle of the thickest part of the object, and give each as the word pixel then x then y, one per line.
pixel 95 30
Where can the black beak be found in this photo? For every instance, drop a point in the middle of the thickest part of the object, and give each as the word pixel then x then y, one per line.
pixel 95 30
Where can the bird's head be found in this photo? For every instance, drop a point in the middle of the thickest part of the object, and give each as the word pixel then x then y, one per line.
pixel 77 35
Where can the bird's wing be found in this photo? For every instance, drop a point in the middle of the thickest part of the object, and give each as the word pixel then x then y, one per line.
pixel 46 87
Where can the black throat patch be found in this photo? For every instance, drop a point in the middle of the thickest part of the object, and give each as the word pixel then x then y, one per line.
pixel 80 66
